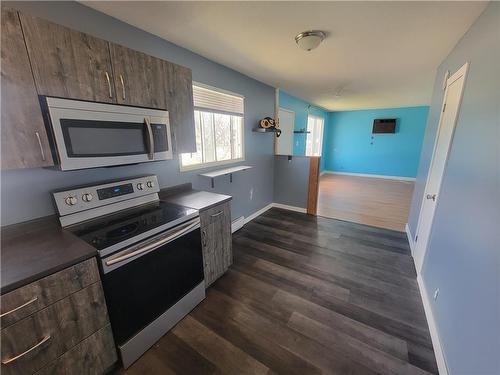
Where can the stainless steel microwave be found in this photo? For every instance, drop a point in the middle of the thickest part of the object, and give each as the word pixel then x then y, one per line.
pixel 88 134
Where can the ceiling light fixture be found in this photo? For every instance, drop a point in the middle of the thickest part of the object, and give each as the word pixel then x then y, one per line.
pixel 309 40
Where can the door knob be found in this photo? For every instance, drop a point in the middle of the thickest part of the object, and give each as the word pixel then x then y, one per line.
pixel 431 196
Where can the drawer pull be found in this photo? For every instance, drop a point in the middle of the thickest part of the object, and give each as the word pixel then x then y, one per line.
pixel 19 307
pixel 10 360
pixel 217 214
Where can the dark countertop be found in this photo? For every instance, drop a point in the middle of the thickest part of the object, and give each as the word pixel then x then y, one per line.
pixel 38 248
pixel 200 200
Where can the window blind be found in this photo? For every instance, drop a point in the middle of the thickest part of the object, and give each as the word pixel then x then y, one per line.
pixel 206 98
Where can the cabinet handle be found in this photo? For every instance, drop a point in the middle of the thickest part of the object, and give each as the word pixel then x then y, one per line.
pixel 10 360
pixel 123 87
pixel 204 238
pixel 19 307
pixel 217 214
pixel 40 145
pixel 109 84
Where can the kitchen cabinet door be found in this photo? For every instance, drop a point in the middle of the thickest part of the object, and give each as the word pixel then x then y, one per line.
pixel 24 140
pixel 180 107
pixel 216 241
pixel 68 63
pixel 140 79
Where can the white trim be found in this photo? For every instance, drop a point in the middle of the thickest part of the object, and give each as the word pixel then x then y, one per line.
pixel 398 178
pixel 290 208
pixel 258 213
pixel 238 223
pixel 410 238
pixel 433 329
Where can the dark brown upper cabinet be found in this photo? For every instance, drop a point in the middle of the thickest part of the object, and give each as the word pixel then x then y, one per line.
pixel 140 79
pixel 180 107
pixel 68 63
pixel 24 140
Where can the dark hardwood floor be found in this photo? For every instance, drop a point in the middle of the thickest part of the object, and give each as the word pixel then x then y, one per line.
pixel 306 295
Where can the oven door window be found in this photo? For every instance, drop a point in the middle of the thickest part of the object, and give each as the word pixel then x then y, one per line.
pixel 91 138
pixel 143 289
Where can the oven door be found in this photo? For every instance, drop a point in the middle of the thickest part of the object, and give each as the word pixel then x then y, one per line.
pixel 142 282
pixel 88 135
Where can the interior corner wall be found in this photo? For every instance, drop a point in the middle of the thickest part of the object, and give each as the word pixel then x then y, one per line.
pixel 463 254
pixel 350 147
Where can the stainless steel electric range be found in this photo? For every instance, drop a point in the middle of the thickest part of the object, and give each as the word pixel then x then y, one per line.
pixel 150 255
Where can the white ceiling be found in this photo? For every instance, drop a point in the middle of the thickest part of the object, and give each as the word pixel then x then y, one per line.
pixel 376 55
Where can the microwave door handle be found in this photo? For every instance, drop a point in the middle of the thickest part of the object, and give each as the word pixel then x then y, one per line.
pixel 151 141
pixel 154 244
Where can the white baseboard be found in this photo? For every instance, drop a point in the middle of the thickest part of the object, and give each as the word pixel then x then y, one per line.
pixel 411 241
pixel 436 343
pixel 290 208
pixel 398 178
pixel 258 213
pixel 237 224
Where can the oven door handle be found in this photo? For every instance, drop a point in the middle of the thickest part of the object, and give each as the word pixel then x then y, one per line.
pixel 151 140
pixel 155 244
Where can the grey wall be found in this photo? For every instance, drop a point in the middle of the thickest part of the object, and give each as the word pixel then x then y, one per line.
pixel 291 180
pixel 25 193
pixel 463 257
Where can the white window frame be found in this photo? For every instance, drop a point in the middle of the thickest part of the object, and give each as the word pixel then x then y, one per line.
pixel 315 117
pixel 211 164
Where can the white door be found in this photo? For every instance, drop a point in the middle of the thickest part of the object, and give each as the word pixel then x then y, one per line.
pixel 447 121
pixel 284 143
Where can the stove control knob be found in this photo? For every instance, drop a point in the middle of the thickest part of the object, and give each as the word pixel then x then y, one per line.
pixel 87 197
pixel 71 201
pixel 140 186
pixel 150 184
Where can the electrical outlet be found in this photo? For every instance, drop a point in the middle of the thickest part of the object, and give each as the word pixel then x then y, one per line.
pixel 251 194
pixel 436 294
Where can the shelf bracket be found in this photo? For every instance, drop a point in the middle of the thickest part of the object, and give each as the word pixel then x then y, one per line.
pixel 230 178
pixel 213 183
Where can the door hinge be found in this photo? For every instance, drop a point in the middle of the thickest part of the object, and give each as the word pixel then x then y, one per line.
pixel 444 107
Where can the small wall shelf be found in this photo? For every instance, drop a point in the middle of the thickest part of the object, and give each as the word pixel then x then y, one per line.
pixel 224 172
pixel 262 130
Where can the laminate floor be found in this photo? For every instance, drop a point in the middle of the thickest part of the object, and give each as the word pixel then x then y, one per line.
pixel 305 295
pixel 366 200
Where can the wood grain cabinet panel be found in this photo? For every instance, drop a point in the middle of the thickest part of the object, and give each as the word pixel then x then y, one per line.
pixel 53 331
pixel 68 63
pixel 181 108
pixel 217 241
pixel 140 79
pixel 24 140
pixel 33 297
pixel 94 355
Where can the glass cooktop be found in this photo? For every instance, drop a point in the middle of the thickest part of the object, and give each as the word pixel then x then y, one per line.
pixel 110 230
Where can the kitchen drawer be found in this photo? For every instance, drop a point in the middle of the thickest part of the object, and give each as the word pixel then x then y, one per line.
pixel 33 297
pixel 94 355
pixel 48 333
pixel 217 213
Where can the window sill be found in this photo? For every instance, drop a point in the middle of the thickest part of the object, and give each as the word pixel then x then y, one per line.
pixel 197 167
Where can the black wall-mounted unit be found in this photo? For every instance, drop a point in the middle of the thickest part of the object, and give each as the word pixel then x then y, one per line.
pixel 386 125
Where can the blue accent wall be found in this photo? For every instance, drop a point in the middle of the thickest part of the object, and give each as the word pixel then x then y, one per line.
pixel 349 145
pixel 300 107
pixel 463 253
